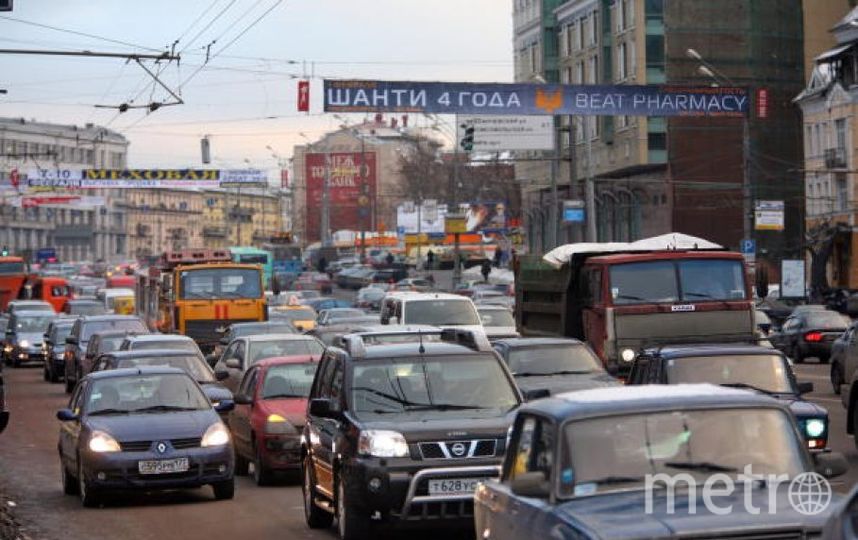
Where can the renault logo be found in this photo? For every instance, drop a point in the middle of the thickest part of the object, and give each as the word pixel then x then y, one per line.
pixel 161 447
pixel 458 449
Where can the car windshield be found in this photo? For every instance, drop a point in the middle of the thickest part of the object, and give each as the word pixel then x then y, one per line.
pixel 33 324
pixel 496 317
pixel 826 320
pixel 767 372
pixel 87 308
pixel 145 393
pixel 130 325
pixel 431 387
pixel 191 364
pixel 60 335
pixel 220 283
pixel 618 452
pixel 172 344
pixel 656 281
pixel 288 380
pixel 343 313
pixel 552 359
pixel 440 312
pixel 286 347
pixel 262 328
pixel 297 314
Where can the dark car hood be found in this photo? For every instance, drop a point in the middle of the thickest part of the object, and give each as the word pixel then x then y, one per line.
pixel 150 427
pixel 557 384
pixel 216 392
pixel 447 428
pixel 623 515
pixel 801 408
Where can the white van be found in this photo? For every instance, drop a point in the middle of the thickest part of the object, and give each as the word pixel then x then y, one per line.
pixel 107 296
pixel 432 309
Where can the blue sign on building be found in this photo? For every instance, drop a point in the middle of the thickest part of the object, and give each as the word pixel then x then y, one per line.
pixel 573 215
pixel 749 246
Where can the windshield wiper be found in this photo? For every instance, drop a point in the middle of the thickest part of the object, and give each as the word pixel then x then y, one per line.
pixel 631 297
pixel 442 407
pixel 109 411
pixel 277 396
pixel 550 373
pixel 702 466
pixel 154 408
pixel 698 294
pixel 617 480
pixel 750 387
pixel 396 399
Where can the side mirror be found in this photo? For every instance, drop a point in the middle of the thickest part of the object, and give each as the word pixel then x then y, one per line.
pixel 805 388
pixel 221 374
pixel 537 393
pixel 321 408
pixel 531 484
pixel 243 399
pixel 830 464
pixel 223 341
pixel 225 406
pixel 233 363
pixel 66 415
pixel 71 340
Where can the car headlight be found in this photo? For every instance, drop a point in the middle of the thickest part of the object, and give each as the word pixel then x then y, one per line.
pixel 382 443
pixel 100 442
pixel 814 428
pixel 627 355
pixel 216 435
pixel 277 425
pixel 24 343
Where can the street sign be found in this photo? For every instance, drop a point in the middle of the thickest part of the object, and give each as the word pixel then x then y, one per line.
pixel 498 133
pixel 749 246
pixel 769 216
pixel 573 211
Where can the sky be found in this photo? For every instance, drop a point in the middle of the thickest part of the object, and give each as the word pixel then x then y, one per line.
pixel 244 96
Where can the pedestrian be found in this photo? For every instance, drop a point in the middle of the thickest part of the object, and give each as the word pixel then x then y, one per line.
pixel 497 256
pixel 323 264
pixel 486 269
pixel 430 258
pixel 390 259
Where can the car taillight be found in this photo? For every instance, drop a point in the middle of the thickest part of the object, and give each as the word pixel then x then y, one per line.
pixel 813 336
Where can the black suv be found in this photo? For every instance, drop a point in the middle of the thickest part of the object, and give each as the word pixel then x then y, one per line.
pixel 78 341
pixel 402 433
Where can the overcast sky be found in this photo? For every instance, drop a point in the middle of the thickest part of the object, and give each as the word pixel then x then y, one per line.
pixel 234 97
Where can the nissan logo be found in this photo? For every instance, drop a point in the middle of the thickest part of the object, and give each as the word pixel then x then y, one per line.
pixel 161 447
pixel 458 449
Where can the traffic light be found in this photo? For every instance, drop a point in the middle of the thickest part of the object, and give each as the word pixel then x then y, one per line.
pixel 467 142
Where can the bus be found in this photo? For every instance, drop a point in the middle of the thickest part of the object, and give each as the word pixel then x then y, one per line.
pixel 199 293
pixel 13 274
pixel 252 255
pixel 287 265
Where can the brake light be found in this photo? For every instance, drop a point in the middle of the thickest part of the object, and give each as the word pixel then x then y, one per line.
pixel 813 336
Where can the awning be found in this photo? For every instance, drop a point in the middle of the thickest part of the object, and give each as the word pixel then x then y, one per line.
pixel 834 52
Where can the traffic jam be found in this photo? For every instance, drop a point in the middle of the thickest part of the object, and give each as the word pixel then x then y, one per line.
pixel 598 391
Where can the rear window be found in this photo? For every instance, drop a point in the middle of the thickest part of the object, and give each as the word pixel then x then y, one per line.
pixel 173 344
pixel 440 312
pixel 131 325
pixel 826 319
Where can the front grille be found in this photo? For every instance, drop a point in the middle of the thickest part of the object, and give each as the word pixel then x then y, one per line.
pixel 184 444
pixel 440 510
pixel 762 535
pixel 135 446
pixel 177 444
pixel 458 449
pixel 206 331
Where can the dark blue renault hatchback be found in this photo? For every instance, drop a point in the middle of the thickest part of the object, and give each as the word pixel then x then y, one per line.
pixel 143 429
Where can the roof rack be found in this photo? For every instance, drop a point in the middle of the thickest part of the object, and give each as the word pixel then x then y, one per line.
pixel 356 344
pixel 702 340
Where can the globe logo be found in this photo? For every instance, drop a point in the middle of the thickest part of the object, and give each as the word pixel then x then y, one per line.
pixel 809 493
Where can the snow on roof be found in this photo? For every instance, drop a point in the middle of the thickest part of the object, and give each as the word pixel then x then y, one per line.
pixel 654 392
pixel 559 256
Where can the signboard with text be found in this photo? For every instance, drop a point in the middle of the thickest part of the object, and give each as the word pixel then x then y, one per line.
pixel 347 190
pixel 533 99
pixel 793 279
pixel 769 216
pixel 143 178
pixel 498 133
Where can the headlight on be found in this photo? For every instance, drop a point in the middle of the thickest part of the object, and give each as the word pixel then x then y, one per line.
pixel 627 355
pixel 277 425
pixel 814 428
pixel 100 442
pixel 216 435
pixel 24 343
pixel 382 443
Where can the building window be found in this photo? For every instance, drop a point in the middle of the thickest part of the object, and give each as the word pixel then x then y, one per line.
pixel 582 25
pixel 840 134
pixel 562 39
pixel 808 141
pixel 570 41
pixel 567 75
pixel 842 193
pixel 593 69
pixel 594 27
pixel 622 53
pixel 579 72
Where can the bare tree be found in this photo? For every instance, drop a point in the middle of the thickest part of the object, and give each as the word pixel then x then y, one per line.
pixel 819 242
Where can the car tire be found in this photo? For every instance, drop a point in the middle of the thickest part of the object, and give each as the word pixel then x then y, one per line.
pixel 69 385
pixel 315 517
pixel 53 376
pixel 351 524
pixel 89 497
pixel 45 375
pixel 69 481
pixel 224 490
pixel 262 475
pixel 836 377
pixel 241 464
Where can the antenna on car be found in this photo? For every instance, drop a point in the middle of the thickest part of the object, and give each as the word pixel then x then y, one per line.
pixel 422 349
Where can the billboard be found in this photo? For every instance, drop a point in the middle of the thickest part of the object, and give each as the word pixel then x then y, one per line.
pixel 534 99
pixel 431 218
pixel 769 216
pixel 497 133
pixel 487 217
pixel 350 199
pixel 143 178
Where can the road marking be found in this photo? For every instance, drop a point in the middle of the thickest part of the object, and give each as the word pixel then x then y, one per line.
pixel 828 400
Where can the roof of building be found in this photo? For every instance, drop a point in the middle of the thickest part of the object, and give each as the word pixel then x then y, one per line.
pixel 88 131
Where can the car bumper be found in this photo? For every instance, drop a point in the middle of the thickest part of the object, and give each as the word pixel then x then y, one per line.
pixel 400 496
pixel 120 471
pixel 28 354
pixel 820 350
pixel 282 453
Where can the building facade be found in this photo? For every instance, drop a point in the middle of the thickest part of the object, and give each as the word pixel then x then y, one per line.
pixel 655 175
pixel 91 228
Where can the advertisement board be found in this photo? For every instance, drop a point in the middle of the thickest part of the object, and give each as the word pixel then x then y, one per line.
pixel 431 218
pixel 498 133
pixel 792 278
pixel 487 217
pixel 769 216
pixel 143 178
pixel 347 190
pixel 533 99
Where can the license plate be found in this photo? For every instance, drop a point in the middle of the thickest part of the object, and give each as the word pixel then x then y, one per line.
pixel 163 466
pixel 454 486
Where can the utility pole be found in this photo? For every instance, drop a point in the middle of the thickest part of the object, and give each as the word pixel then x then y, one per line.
pixel 589 188
pixel 553 220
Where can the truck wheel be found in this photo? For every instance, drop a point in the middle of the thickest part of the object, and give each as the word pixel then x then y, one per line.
pixel 315 517
pixel 352 524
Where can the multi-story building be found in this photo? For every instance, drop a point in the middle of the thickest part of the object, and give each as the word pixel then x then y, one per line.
pixel 245 217
pixel 829 106
pixel 89 229
pixel 655 175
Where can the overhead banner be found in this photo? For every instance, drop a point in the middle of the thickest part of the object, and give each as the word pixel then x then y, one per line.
pixel 533 99
pixel 497 133
pixel 143 178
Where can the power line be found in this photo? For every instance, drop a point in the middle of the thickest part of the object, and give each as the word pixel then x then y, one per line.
pixel 77 33
pixel 198 19
pixel 211 22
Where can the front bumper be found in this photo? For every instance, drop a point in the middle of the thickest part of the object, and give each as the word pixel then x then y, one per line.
pixel 400 495
pixel 28 354
pixel 119 470
pixel 281 452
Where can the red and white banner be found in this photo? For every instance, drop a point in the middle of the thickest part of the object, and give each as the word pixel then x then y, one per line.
pixel 303 96
pixel 68 201
pixel 284 178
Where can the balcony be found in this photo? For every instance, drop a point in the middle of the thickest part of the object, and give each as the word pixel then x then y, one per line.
pixel 835 158
pixel 143 230
pixel 214 232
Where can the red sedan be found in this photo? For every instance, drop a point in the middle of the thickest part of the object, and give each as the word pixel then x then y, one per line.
pixel 270 407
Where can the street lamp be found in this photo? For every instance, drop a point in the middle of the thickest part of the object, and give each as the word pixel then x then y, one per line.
pixel 708 70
